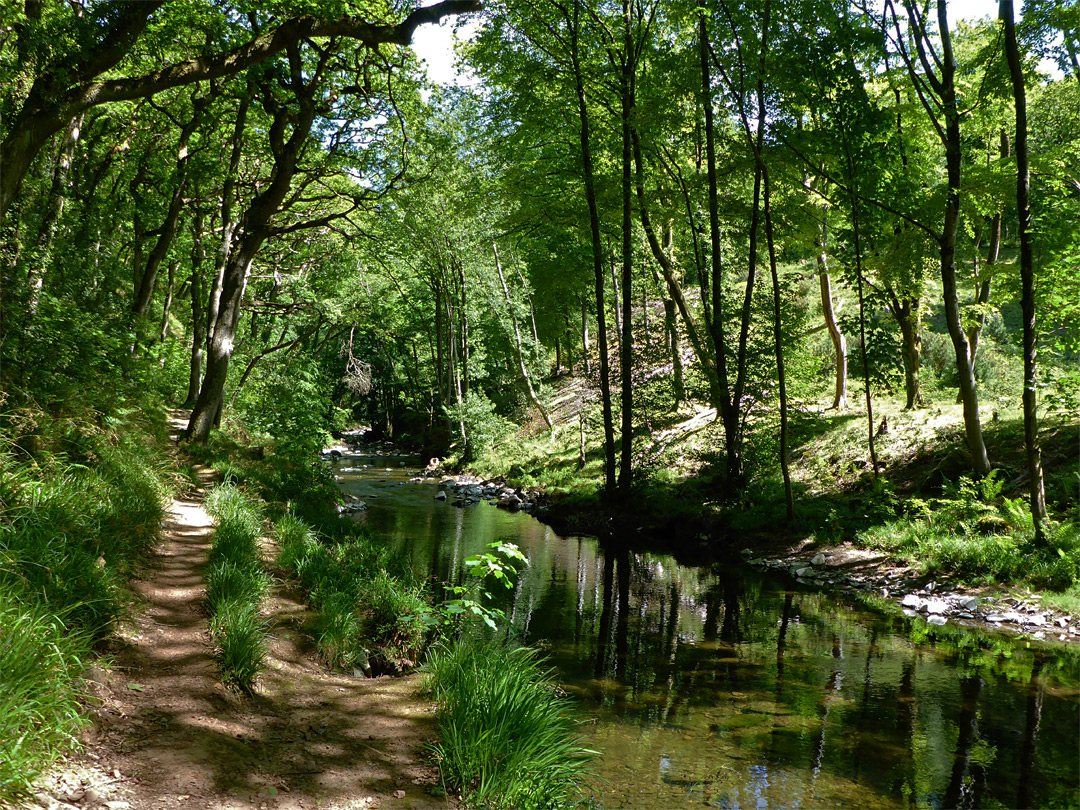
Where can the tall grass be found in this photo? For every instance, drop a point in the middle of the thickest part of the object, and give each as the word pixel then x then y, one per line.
pixel 507 739
pixel 41 662
pixel 364 613
pixel 81 500
pixel 235 587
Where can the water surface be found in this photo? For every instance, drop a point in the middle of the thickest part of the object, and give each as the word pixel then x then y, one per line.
pixel 727 687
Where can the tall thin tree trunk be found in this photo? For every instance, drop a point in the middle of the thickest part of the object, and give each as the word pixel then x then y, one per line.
pixel 165 310
pixel 616 305
pixel 198 324
pixel 986 277
pixel 862 300
pixel 530 392
pixel 829 314
pixel 728 406
pixel 586 362
pixel 40 257
pixel 167 232
pixel 626 345
pixel 598 257
pixel 778 340
pixel 1027 279
pixel 908 314
pixel 953 156
pixel 229 224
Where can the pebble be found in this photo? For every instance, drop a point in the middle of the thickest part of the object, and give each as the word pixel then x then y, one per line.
pixel 819 559
pixel 911 601
pixel 937 619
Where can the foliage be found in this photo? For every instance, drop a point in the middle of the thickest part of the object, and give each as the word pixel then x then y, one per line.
pixel 81 499
pixel 483 427
pixel 498 564
pixel 975 534
pixel 41 689
pixel 506 736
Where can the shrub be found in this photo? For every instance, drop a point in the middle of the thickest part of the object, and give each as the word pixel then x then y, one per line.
pixel 363 611
pixel 241 640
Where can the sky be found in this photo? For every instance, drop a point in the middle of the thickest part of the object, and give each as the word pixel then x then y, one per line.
pixel 435 43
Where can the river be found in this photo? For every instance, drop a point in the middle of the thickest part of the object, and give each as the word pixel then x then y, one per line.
pixel 726 687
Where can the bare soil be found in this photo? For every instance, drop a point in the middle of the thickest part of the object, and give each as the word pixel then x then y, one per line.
pixel 167 734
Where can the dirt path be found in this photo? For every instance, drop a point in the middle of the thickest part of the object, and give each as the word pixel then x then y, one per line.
pixel 167 734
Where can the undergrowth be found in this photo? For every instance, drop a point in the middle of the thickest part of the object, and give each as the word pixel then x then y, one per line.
pixel 81 500
pixel 366 617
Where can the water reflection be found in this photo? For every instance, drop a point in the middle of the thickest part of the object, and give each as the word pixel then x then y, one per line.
pixel 722 687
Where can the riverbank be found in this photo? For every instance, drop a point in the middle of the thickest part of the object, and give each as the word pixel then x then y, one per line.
pixel 864 574
pixel 698 683
pixel 917 528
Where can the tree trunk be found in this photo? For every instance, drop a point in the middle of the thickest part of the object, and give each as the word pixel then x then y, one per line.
pixel 164 331
pixel 853 196
pixel 229 224
pixel 256 229
pixel 616 306
pixel 167 232
pixel 789 499
pixel 908 315
pixel 986 277
pixel 1027 279
pixel 598 257
pixel 953 157
pixel 626 345
pixel 586 362
pixel 667 269
pixel 530 392
pixel 198 324
pixel 829 314
pixel 40 258
pixel 671 329
pixel 730 404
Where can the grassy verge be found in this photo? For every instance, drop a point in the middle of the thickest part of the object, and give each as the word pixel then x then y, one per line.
pixel 506 736
pixel 367 618
pixel 81 500
pixel 235 586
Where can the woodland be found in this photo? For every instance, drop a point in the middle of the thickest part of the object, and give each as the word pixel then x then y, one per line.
pixel 701 259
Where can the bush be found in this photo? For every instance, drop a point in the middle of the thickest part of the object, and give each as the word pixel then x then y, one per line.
pixel 506 736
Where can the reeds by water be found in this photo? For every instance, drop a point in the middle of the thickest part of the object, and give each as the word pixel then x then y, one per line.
pixel 507 738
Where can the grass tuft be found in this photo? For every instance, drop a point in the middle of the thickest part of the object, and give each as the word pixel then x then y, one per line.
pixel 506 736
pixel 235 586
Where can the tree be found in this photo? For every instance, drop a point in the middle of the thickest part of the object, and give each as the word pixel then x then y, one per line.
pixel 1027 276
pixel 77 52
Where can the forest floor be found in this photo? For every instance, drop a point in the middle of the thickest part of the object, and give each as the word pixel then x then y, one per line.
pixel 166 734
